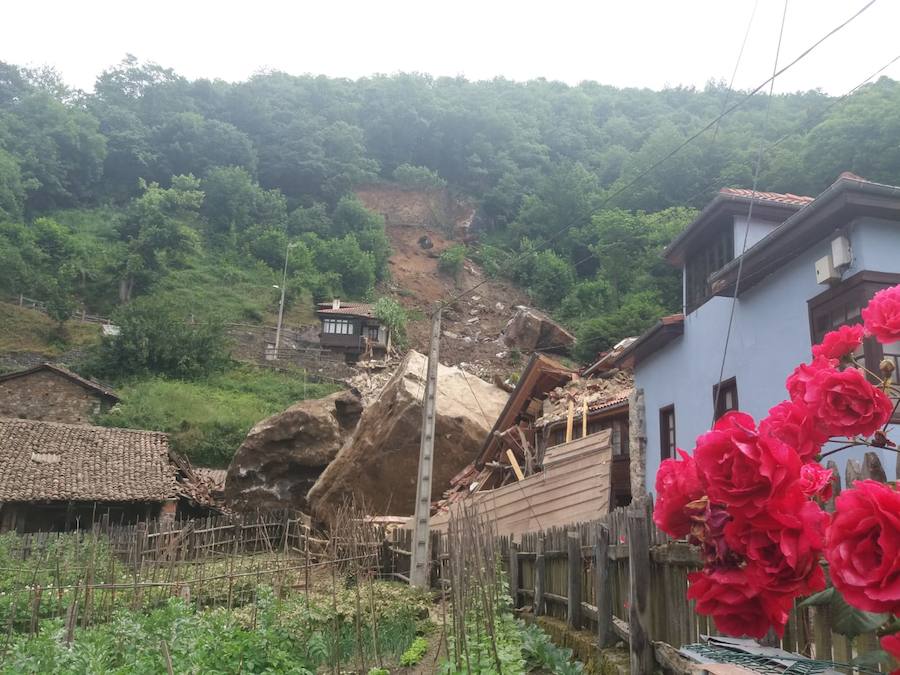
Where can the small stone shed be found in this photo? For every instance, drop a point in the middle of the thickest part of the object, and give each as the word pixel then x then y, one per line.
pixel 56 476
pixel 53 393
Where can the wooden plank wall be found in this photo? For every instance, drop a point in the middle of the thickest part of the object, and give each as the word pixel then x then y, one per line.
pixel 644 601
pixel 574 486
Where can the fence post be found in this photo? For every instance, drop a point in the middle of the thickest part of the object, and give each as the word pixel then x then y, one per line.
pixel 539 570
pixel 573 560
pixel 602 589
pixel 639 615
pixel 514 573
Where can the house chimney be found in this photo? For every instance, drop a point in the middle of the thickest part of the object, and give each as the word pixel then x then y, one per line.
pixel 336 303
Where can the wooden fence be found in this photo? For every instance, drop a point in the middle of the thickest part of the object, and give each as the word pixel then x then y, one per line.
pixel 624 579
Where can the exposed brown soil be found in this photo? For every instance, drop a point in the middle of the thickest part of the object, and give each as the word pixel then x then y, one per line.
pixel 472 325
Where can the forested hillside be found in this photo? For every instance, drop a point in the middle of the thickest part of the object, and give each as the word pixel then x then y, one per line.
pixel 191 190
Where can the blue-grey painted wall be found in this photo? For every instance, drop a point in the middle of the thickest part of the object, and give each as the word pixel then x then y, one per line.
pixel 770 336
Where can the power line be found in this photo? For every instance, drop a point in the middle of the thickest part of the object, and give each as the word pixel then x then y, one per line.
pixel 606 200
pixel 721 179
pixel 737 65
pixel 759 156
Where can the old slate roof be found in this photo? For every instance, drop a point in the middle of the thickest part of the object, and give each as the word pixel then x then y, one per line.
pixel 50 461
pixel 95 387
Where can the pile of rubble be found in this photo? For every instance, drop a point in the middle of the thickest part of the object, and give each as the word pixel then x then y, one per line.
pixel 589 394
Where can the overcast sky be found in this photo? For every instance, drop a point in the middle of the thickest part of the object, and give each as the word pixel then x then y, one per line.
pixel 643 43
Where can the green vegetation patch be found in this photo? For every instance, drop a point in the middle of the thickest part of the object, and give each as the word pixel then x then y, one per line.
pixel 267 636
pixel 27 330
pixel 209 418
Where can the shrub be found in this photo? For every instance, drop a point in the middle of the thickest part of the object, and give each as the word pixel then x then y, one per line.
pixel 418 176
pixel 451 260
pixel 155 339
pixel 391 314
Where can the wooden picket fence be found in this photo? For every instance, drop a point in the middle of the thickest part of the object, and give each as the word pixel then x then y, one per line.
pixel 624 579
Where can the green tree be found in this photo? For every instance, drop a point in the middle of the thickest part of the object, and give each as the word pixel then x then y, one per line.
pixel 189 143
pixel 392 314
pixel 12 191
pixel 233 201
pixel 156 231
pixel 351 217
pixel 343 261
pixel 637 313
pixel 155 338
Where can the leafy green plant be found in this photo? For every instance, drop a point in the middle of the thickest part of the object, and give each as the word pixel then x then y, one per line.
pixel 392 314
pixel 540 653
pixel 451 260
pixel 414 652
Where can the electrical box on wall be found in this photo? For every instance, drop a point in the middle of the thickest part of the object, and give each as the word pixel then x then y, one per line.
pixel 840 252
pixel 825 272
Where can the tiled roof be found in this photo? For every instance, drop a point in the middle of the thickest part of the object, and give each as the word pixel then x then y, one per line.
pixel 348 309
pixel 777 197
pixel 65 372
pixel 49 461
pixel 605 405
pixel 671 320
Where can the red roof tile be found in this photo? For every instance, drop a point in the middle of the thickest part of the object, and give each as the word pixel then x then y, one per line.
pixel 778 197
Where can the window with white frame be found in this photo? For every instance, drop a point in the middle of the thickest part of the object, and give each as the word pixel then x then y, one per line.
pixel 337 326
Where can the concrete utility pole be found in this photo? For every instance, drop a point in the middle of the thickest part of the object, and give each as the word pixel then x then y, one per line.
pixel 418 569
pixel 287 252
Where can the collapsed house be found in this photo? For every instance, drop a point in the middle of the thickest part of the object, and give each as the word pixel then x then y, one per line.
pixel 558 453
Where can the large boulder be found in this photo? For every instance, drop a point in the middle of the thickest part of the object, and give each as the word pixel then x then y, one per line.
pixel 530 329
pixel 283 455
pixel 378 465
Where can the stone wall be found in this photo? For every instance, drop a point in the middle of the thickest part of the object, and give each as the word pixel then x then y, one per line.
pixel 48 396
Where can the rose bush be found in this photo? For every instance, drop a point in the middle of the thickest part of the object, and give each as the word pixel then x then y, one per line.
pixel 863 549
pixel 743 469
pixel 841 402
pixel 795 425
pixel 839 343
pixel 891 644
pixel 881 317
pixel 750 496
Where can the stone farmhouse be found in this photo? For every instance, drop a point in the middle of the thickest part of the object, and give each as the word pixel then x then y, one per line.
pixel 53 393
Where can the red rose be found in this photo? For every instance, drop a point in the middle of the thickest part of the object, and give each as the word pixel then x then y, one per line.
pixel 838 343
pixel 882 315
pixel 782 545
pixel 863 546
pixel 891 644
pixel 730 597
pixel 741 468
pixel 795 425
pixel 677 484
pixel 845 403
pixel 804 373
pixel 816 480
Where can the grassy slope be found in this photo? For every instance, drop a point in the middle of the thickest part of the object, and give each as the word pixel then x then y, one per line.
pixel 26 330
pixel 209 418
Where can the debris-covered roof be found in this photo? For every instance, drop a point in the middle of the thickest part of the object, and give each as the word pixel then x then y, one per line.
pixel 598 393
pixel 95 387
pixel 51 461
